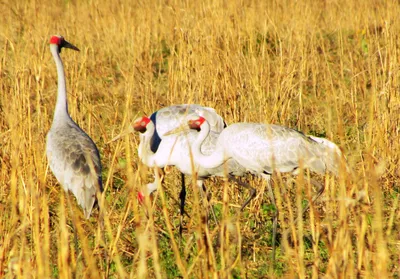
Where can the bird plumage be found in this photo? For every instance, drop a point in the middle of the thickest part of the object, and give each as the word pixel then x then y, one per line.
pixel 174 150
pixel 332 154
pixel 73 156
pixel 263 148
pixel 169 118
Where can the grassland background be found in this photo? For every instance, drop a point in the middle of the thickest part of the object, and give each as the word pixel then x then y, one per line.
pixel 328 68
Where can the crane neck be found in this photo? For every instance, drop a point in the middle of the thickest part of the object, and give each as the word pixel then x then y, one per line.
pixel 145 153
pixel 61 110
pixel 213 160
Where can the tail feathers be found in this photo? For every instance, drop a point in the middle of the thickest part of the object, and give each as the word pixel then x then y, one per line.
pixel 93 184
pixel 85 196
pixel 89 195
pixel 330 154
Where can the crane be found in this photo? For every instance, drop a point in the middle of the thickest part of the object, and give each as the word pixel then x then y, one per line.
pixel 264 148
pixel 172 117
pixel 169 118
pixel 174 150
pixel 73 156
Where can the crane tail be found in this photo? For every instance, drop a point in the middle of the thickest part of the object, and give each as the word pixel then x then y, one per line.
pixel 87 204
pixel 330 155
pixel 92 186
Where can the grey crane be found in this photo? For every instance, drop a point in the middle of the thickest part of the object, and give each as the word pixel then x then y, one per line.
pixel 174 150
pixel 164 120
pixel 264 148
pixel 169 118
pixel 73 156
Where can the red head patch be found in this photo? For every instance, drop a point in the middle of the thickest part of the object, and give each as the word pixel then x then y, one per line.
pixel 195 124
pixel 61 43
pixel 56 40
pixel 140 197
pixel 140 124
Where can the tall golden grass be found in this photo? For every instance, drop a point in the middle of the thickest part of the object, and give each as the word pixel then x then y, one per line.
pixel 328 68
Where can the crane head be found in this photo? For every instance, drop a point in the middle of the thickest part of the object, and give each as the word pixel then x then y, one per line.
pixel 60 42
pixel 140 124
pixel 195 124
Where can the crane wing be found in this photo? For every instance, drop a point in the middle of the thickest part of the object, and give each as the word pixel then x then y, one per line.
pixel 75 161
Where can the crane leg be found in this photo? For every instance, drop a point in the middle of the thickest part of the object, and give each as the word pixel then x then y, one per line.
pixel 73 220
pixel 247 186
pixel 267 177
pixel 319 193
pixel 203 192
pixel 321 189
pixel 100 219
pixel 182 196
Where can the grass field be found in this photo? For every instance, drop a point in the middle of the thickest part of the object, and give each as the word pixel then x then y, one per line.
pixel 328 68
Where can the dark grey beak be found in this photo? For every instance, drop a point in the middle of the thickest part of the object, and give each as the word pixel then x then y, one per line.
pixel 69 45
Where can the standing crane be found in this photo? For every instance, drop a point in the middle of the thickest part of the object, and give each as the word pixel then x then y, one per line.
pixel 167 119
pixel 72 154
pixel 174 150
pixel 264 148
pixel 171 117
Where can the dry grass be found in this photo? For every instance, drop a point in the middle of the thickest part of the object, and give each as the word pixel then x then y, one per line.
pixel 328 68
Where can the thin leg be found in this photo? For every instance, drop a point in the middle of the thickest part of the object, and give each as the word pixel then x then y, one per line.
pixel 319 193
pixel 275 219
pixel 75 234
pixel 73 223
pixel 203 192
pixel 182 197
pixel 103 230
pixel 247 186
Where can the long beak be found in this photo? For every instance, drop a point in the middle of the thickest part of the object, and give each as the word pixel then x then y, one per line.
pixel 69 45
pixel 181 129
pixel 124 133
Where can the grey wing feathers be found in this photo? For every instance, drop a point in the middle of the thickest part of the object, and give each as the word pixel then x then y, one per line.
pixel 331 152
pixel 272 147
pixel 317 154
pixel 75 161
pixel 299 147
pixel 171 117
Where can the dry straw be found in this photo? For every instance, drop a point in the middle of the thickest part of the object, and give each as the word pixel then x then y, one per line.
pixel 328 68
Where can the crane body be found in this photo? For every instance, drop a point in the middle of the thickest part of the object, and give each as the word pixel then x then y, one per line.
pixel 167 119
pixel 174 150
pixel 73 156
pixel 264 148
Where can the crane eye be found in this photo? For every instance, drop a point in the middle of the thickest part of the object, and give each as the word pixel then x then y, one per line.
pixel 143 123
pixel 198 123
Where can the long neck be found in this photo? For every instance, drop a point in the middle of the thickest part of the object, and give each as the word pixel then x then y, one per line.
pixel 213 160
pixel 145 154
pixel 61 110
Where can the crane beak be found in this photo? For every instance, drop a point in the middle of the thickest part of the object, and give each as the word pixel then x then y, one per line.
pixel 124 133
pixel 181 129
pixel 69 45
